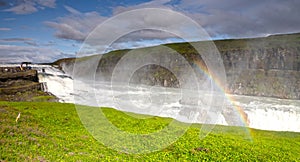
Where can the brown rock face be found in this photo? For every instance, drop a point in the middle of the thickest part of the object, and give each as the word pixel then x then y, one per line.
pixel 20 85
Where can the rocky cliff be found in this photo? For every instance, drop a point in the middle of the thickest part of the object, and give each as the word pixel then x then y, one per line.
pixel 21 85
pixel 268 66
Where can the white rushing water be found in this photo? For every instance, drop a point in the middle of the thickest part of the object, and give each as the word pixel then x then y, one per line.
pixel 262 112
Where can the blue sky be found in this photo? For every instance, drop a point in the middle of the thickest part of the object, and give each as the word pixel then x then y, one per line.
pixel 46 30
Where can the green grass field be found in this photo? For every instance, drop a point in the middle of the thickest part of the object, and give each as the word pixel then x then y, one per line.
pixel 53 132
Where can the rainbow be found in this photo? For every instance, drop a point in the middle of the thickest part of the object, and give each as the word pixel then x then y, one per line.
pixel 242 115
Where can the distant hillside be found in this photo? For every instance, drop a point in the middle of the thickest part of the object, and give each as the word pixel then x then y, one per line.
pixel 268 66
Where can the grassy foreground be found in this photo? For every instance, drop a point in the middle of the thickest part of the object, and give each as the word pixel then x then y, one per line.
pixel 53 132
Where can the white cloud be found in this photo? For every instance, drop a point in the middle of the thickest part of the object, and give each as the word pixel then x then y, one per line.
pixel 23 8
pixel 151 4
pixel 77 25
pixel 9 19
pixel 72 10
pixel 5 29
pixel 28 41
pixel 47 3
pixel 67 31
pixel 236 18
pixel 31 6
pixel 13 53
pixel 15 39
pixel 230 19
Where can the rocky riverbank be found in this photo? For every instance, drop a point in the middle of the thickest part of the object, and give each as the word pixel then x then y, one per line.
pixel 18 84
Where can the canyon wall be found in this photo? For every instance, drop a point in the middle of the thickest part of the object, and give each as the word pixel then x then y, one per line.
pixel 267 66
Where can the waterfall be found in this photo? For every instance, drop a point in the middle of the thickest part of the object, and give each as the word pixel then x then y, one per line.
pixel 57 82
pixel 262 112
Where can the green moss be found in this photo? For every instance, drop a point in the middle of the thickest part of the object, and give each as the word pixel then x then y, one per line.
pixel 32 95
pixel 42 98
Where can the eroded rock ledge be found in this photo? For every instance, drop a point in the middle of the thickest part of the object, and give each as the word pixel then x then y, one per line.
pixel 21 85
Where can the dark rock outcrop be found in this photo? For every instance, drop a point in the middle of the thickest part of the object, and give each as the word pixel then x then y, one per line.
pixel 14 73
pixel 21 85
